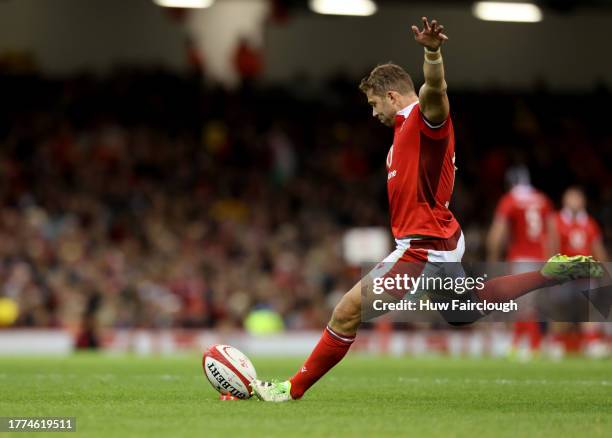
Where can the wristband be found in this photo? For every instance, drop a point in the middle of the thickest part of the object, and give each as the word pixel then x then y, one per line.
pixel 435 61
pixel 432 52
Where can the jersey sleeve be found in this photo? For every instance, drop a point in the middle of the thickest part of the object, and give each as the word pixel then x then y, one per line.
pixel 435 130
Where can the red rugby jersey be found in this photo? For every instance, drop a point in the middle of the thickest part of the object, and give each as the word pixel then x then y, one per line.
pixel 421 174
pixel 577 233
pixel 526 210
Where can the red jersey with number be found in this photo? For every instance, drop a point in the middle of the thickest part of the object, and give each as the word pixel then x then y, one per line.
pixel 526 210
pixel 421 174
pixel 577 232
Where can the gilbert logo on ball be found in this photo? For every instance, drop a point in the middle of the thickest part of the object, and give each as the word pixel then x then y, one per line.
pixel 228 370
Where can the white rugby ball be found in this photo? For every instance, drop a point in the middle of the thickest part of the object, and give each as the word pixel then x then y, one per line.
pixel 228 370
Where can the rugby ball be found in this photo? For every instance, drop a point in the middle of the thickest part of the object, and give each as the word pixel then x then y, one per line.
pixel 228 370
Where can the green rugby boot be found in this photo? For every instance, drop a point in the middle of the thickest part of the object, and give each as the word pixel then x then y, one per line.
pixel 273 391
pixel 562 268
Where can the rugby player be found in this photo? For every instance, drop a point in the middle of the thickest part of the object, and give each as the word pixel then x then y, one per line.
pixel 420 177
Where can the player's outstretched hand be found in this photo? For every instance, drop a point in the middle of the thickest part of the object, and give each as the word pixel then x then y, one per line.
pixel 431 36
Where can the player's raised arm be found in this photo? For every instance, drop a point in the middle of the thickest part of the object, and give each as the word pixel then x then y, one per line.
pixel 432 95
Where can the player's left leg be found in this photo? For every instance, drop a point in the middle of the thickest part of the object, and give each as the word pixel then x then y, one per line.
pixel 340 332
pixel 335 342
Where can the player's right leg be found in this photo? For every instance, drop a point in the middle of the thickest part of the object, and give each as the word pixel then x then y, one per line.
pixel 557 270
pixel 340 332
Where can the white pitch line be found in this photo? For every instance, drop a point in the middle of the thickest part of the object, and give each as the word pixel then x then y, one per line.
pixel 506 381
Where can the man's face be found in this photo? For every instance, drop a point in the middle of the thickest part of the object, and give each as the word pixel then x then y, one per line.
pixel 574 200
pixel 382 108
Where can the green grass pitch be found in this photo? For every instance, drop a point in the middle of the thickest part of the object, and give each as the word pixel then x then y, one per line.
pixel 364 396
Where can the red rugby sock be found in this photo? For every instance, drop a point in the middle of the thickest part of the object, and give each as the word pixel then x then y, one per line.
pixel 328 352
pixel 509 287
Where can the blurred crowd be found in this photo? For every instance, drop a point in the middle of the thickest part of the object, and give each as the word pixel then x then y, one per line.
pixel 147 199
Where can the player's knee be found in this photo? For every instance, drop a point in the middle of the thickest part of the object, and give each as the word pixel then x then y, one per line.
pixel 346 316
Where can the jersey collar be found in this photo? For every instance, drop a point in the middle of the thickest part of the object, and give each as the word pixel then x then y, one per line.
pixel 403 114
pixel 522 189
pixel 568 216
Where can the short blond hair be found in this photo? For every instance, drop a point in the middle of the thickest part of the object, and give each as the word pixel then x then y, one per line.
pixel 387 77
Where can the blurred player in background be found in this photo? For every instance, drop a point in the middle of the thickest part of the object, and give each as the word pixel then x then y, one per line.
pixel 523 222
pixel 420 179
pixel 522 233
pixel 579 233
